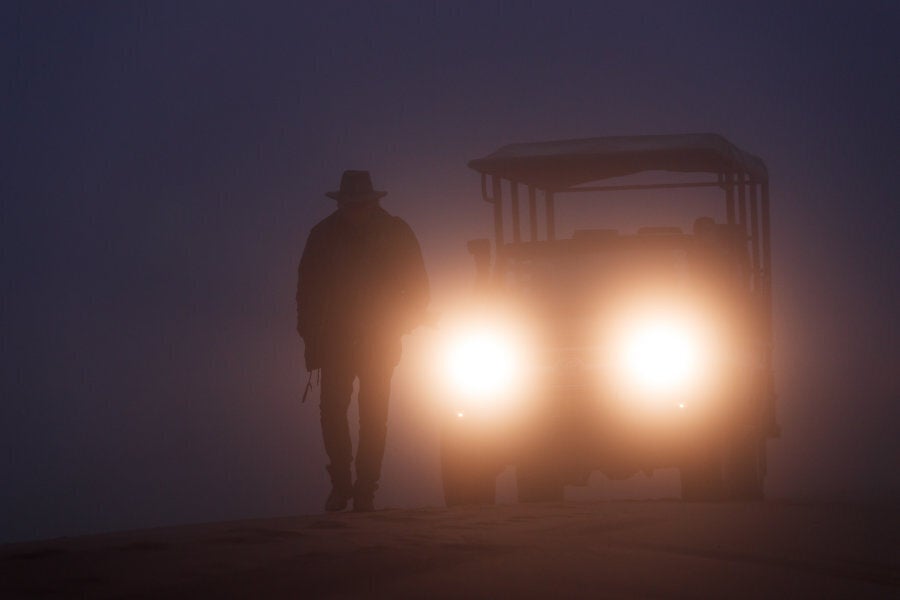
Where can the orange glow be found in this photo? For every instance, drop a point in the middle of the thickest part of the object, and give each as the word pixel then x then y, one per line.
pixel 663 353
pixel 660 355
pixel 483 362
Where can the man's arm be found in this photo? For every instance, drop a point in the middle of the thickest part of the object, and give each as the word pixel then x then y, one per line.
pixel 415 291
pixel 308 281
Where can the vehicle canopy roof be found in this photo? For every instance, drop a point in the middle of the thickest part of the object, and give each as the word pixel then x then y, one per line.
pixel 558 165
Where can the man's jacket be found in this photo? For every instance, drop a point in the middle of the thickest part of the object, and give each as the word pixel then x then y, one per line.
pixel 359 288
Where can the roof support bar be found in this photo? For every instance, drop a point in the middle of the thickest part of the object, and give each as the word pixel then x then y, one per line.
pixel 742 202
pixel 514 198
pixel 532 213
pixel 497 200
pixel 484 193
pixel 754 235
pixel 551 214
pixel 773 429
pixel 729 197
pixel 766 243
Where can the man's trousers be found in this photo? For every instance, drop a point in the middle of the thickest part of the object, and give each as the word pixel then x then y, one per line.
pixel 374 374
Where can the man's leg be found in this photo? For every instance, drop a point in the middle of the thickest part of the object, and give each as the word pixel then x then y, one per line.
pixel 374 398
pixel 337 387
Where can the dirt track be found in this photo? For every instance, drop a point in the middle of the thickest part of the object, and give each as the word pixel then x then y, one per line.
pixel 610 549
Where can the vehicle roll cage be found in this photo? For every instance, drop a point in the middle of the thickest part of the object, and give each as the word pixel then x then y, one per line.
pixel 548 169
pixel 746 205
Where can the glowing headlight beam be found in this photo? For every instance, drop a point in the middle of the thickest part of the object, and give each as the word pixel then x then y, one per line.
pixel 482 362
pixel 663 354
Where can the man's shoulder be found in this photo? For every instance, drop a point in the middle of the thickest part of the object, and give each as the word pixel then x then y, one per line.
pixel 325 224
pixel 383 222
pixel 394 223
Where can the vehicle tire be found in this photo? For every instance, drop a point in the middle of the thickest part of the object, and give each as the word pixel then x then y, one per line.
pixel 539 484
pixel 744 469
pixel 735 473
pixel 701 480
pixel 467 477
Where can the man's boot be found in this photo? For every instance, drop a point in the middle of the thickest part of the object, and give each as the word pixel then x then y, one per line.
pixel 364 497
pixel 341 489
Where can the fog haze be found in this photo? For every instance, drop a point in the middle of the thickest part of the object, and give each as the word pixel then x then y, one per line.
pixel 162 166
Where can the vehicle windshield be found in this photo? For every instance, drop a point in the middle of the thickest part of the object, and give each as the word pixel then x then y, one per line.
pixel 571 276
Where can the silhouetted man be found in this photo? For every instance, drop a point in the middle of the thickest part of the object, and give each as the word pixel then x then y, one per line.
pixel 361 286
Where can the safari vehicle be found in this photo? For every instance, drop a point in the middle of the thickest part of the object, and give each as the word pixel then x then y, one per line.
pixel 607 350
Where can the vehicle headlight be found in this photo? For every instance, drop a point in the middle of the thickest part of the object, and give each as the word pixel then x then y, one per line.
pixel 482 361
pixel 663 354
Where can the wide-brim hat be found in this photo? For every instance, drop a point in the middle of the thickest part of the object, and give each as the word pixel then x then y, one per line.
pixel 356 186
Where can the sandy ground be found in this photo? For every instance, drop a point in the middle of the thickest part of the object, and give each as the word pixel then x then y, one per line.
pixel 608 550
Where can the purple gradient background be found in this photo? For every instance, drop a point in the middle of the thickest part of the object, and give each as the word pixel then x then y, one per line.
pixel 163 163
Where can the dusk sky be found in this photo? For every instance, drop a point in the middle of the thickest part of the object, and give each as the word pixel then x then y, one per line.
pixel 162 164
